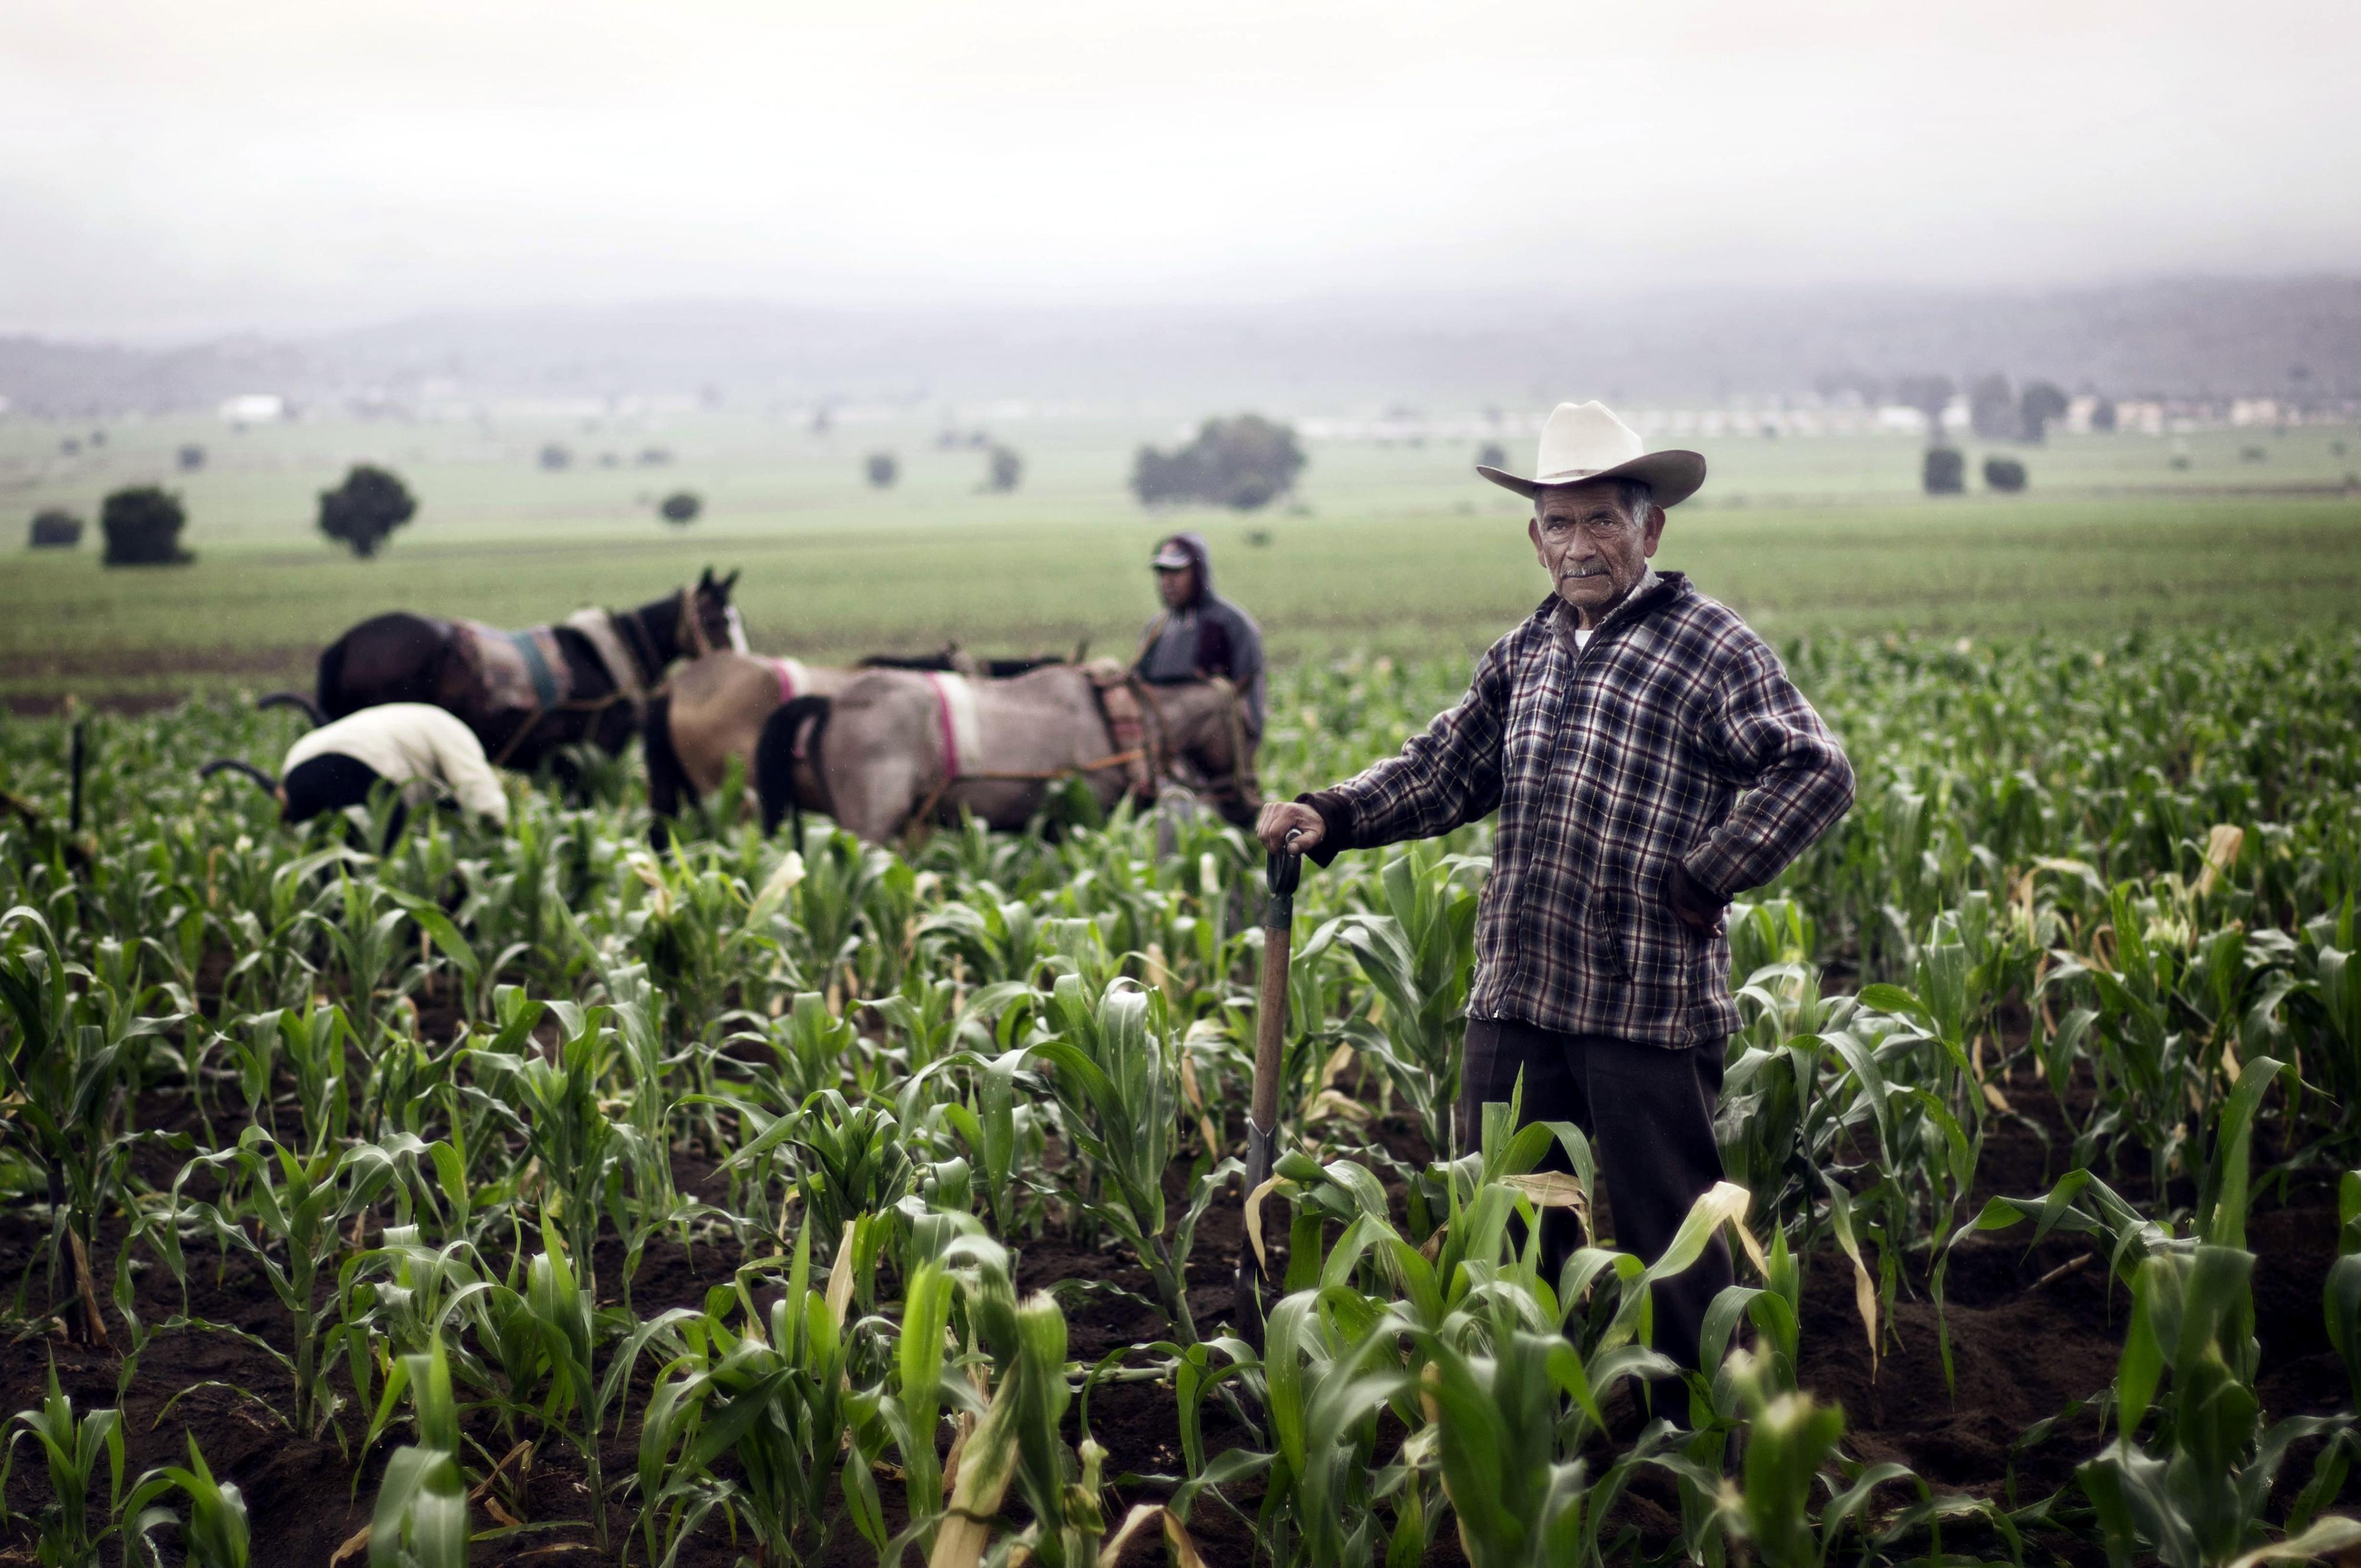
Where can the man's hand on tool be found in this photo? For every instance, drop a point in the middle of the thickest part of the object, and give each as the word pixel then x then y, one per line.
pixel 1287 826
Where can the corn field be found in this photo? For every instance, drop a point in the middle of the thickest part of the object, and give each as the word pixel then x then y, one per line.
pixel 541 1197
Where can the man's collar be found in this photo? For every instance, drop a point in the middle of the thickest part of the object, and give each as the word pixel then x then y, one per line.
pixel 1649 588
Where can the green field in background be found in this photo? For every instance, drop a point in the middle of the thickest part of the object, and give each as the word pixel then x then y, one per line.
pixel 1394 548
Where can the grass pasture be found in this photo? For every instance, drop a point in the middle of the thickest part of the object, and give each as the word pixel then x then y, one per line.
pixel 1391 548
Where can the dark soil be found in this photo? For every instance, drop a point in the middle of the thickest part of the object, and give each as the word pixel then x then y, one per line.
pixel 2031 1331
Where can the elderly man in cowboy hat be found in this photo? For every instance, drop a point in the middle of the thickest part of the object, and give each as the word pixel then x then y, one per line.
pixel 1649 759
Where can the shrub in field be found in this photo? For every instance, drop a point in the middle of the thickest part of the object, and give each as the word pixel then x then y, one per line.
pixel 2038 406
pixel 1992 409
pixel 191 457
pixel 54 528
pixel 143 525
pixel 1944 471
pixel 881 470
pixel 1492 455
pixel 1005 469
pixel 2004 474
pixel 362 512
pixel 681 507
pixel 1243 463
pixel 2102 416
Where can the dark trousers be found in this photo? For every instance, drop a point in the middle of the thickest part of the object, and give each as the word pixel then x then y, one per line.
pixel 334 782
pixel 1648 1113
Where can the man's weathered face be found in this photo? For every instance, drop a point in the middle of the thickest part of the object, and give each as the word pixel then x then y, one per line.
pixel 1177 583
pixel 1593 548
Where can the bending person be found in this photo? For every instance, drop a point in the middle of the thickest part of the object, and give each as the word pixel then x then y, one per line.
pixel 419 749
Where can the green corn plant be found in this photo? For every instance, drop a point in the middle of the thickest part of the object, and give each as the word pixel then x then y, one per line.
pixel 2342 1290
pixel 421 1518
pixel 314 1047
pixel 2195 1495
pixel 1015 1443
pixel 66 1081
pixel 1520 1498
pixel 67 1536
pixel 773 1397
pixel 287 1213
pixel 362 922
pixel 1420 958
pixel 215 1534
pixel 1118 1081
pixel 559 1102
pixel 1328 1371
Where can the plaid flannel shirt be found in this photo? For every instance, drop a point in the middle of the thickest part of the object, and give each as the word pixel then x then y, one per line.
pixel 1673 734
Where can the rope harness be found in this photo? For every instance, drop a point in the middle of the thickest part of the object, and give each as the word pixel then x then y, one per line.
pixel 623 645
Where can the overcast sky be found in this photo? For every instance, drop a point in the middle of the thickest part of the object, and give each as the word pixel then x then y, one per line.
pixel 169 168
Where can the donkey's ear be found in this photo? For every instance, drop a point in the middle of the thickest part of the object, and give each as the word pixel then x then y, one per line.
pixel 730 581
pixel 707 580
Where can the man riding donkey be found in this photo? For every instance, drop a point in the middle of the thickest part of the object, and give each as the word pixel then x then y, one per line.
pixel 1649 759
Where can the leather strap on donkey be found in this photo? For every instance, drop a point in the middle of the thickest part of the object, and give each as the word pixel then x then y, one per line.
pixel 598 629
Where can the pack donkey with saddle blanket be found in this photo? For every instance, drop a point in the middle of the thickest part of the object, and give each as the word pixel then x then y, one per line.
pixel 527 694
pixel 897 748
pixel 713 711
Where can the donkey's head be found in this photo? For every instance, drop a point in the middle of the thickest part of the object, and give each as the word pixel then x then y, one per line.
pixel 1202 734
pixel 711 620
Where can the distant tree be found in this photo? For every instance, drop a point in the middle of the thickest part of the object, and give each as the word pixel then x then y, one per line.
pixel 192 458
pixel 1492 455
pixel 1944 472
pixel 2004 474
pixel 681 507
pixel 883 469
pixel 2252 454
pixel 654 456
pixel 54 528
pixel 2102 415
pixel 609 459
pixel 1992 409
pixel 1242 463
pixel 69 446
pixel 1931 395
pixel 98 438
pixel 1008 470
pixel 2041 405
pixel 556 457
pixel 366 509
pixel 143 525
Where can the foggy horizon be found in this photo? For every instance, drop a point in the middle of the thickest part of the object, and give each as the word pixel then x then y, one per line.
pixel 169 175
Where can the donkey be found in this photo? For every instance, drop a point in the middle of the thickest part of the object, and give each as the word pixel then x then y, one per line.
pixel 528 693
pixel 895 749
pixel 714 708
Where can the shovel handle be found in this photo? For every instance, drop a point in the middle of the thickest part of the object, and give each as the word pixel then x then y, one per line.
pixel 1284 871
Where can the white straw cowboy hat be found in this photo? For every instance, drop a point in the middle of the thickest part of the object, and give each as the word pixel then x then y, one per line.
pixel 1586 441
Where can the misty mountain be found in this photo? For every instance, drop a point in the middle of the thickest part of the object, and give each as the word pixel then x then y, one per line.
pixel 2171 337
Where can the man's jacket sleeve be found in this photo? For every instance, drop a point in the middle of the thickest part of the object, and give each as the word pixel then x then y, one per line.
pixel 459 757
pixel 1445 776
pixel 1764 738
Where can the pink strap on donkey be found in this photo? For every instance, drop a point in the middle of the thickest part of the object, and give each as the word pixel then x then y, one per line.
pixel 793 680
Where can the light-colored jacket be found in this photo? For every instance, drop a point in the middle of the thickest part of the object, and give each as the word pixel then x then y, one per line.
pixel 417 746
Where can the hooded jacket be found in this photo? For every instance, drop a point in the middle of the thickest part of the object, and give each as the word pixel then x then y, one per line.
pixel 1206 636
